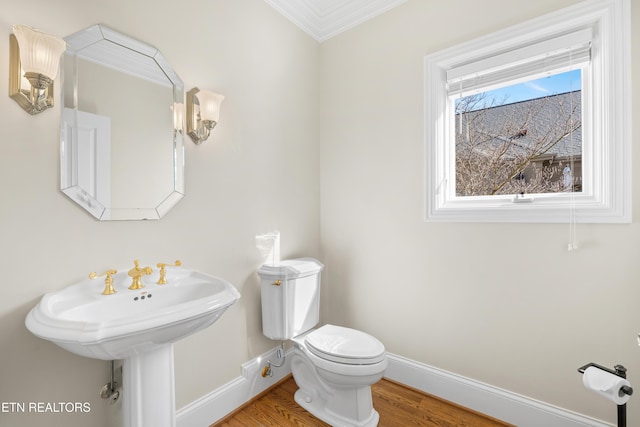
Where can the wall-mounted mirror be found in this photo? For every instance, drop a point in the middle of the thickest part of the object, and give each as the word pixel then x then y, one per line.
pixel 122 153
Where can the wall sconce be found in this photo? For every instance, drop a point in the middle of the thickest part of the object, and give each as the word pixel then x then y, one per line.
pixel 203 111
pixel 37 55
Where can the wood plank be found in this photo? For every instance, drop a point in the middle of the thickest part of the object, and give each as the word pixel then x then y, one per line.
pixel 397 404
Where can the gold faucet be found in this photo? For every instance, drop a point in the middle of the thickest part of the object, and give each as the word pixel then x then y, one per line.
pixel 136 273
pixel 108 288
pixel 163 271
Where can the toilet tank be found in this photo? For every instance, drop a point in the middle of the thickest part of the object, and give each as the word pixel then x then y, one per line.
pixel 290 297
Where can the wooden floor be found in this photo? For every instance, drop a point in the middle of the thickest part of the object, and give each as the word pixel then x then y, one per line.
pixel 398 406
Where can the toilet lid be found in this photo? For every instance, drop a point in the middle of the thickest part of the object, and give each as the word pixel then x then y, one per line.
pixel 345 345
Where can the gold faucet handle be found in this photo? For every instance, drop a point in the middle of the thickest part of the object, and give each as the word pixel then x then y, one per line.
pixel 163 271
pixel 108 281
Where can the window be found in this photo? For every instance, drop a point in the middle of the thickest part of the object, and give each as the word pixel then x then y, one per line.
pixel 496 153
pixel 524 138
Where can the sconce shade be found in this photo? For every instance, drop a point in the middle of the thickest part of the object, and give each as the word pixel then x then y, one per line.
pixel 209 105
pixel 39 52
pixel 203 112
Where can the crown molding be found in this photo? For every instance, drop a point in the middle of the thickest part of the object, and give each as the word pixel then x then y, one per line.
pixel 323 19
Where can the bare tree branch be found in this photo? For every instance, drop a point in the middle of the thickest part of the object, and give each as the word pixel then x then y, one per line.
pixel 516 148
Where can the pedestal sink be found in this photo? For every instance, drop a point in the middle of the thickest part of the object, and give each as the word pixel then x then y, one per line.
pixel 138 326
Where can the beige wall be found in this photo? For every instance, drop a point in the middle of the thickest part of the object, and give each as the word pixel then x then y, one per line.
pixel 258 172
pixel 501 303
pixel 505 304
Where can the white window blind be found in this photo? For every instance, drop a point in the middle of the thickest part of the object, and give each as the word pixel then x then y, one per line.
pixel 552 56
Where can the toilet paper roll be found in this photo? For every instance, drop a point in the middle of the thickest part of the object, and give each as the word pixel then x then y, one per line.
pixel 605 384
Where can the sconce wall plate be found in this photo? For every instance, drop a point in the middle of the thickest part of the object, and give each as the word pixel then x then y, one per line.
pixel 23 96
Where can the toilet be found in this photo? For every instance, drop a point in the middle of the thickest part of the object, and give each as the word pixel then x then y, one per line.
pixel 333 366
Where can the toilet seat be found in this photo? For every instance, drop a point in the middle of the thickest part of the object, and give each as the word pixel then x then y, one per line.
pixel 344 345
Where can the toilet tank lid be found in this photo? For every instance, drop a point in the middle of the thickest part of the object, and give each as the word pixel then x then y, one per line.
pixel 291 269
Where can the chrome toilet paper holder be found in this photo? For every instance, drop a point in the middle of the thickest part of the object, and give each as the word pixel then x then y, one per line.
pixel 620 371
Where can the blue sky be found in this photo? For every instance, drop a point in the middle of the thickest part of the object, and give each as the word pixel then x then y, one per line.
pixel 545 86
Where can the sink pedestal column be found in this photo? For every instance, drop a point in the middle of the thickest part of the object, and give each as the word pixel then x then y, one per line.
pixel 148 388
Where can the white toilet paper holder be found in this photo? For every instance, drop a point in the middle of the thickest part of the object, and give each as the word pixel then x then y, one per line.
pixel 620 371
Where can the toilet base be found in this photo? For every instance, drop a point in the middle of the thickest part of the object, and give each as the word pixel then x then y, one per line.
pixel 339 400
pixel 321 410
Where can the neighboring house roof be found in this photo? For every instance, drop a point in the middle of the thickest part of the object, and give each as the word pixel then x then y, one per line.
pixel 522 125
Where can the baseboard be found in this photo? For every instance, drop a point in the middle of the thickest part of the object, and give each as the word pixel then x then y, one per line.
pixel 495 402
pixel 214 406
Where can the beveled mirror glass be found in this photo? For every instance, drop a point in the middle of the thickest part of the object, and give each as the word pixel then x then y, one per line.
pixel 122 153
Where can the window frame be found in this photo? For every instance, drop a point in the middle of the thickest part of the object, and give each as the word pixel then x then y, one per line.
pixel 606 109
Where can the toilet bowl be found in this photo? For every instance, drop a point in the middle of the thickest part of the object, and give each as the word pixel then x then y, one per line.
pixel 333 366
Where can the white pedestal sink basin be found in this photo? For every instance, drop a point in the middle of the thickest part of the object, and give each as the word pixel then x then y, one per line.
pixel 138 326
